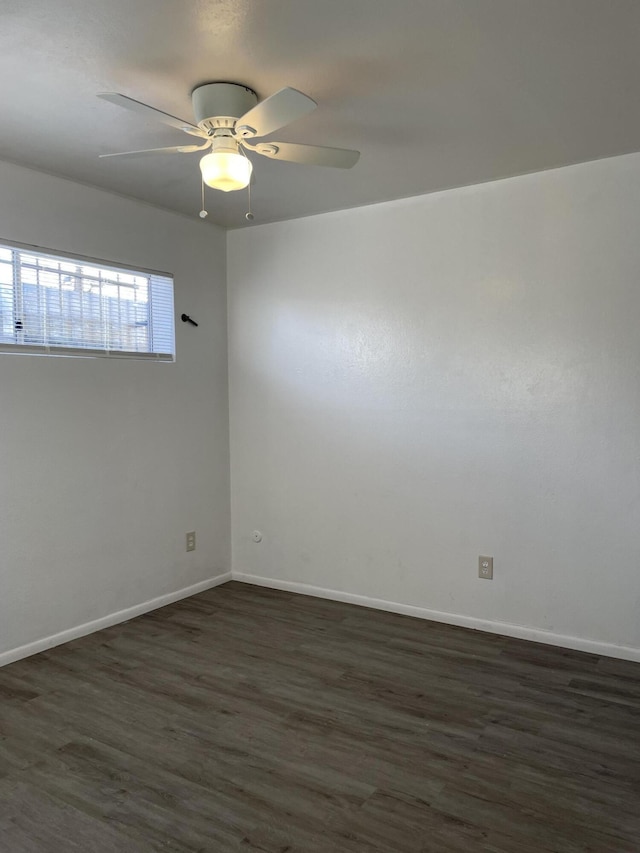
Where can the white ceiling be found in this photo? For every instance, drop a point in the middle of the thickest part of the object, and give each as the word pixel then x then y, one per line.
pixel 434 93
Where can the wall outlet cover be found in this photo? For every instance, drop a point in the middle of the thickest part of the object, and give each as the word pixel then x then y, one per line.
pixel 485 568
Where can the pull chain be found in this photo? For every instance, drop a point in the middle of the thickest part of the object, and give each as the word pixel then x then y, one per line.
pixel 249 215
pixel 203 213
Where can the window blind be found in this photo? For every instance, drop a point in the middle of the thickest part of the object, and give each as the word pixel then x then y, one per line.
pixel 59 305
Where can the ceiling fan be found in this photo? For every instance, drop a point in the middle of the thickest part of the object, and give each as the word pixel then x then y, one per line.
pixel 227 117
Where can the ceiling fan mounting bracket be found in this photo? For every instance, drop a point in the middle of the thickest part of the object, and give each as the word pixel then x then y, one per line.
pixel 245 131
pixel 219 105
pixel 267 148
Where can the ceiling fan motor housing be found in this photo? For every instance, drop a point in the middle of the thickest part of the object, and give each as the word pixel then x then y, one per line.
pixel 217 105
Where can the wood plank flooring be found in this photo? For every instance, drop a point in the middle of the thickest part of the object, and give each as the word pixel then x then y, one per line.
pixel 248 719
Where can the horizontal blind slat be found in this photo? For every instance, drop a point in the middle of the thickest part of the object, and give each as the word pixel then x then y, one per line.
pixel 84 353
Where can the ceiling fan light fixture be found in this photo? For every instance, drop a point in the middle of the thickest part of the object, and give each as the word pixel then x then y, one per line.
pixel 225 168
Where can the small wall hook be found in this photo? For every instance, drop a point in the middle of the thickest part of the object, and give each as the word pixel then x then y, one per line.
pixel 187 319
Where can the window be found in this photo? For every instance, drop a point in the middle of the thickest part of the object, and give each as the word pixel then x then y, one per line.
pixel 55 305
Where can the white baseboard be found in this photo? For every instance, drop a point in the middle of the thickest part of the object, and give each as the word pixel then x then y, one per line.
pixel 519 631
pixel 111 619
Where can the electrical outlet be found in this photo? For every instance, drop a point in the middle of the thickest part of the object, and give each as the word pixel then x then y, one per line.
pixel 191 541
pixel 485 568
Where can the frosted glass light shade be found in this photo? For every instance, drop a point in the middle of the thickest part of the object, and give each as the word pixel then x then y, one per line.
pixel 226 170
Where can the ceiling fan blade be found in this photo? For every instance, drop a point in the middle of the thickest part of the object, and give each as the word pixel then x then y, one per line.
pixel 274 112
pixel 150 112
pixel 174 149
pixel 308 155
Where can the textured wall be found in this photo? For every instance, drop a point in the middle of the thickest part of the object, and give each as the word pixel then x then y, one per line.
pixel 106 464
pixel 417 383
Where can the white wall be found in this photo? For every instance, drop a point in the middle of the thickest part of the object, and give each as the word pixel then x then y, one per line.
pixel 419 382
pixel 104 465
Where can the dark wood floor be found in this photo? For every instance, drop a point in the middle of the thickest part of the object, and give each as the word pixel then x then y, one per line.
pixel 248 719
